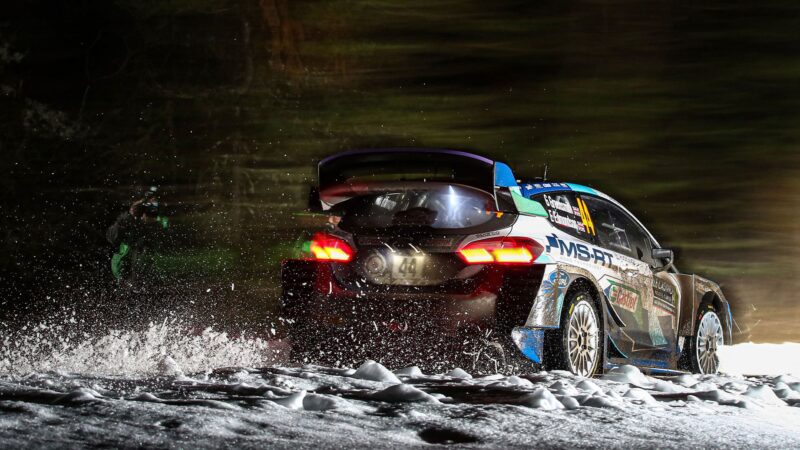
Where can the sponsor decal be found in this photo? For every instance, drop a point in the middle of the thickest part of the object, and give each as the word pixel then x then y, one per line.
pixel 562 213
pixel 664 296
pixel 580 251
pixel 656 333
pixel 565 221
pixel 548 186
pixel 622 295
pixel 560 204
pixel 559 278
pixel 586 218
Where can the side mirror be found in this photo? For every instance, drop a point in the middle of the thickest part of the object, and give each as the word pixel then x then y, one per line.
pixel 664 256
pixel 314 203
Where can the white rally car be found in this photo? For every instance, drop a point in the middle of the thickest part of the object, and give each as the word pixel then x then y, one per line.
pixel 432 251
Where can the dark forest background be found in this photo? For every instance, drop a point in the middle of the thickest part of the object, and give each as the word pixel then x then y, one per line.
pixel 687 112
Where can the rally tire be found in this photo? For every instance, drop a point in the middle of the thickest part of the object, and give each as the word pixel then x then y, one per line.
pixel 577 346
pixel 701 355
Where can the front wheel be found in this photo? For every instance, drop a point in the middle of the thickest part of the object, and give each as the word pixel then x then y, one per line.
pixel 576 345
pixel 708 338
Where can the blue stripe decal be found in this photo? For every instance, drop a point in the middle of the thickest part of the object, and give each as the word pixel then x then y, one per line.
pixel 730 324
pixel 581 188
pixel 665 371
pixel 649 363
pixel 529 189
pixel 540 187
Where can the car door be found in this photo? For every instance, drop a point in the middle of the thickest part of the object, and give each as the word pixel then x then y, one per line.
pixel 628 284
pixel 666 304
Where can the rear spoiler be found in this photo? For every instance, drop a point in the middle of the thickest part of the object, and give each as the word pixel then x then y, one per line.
pixel 347 175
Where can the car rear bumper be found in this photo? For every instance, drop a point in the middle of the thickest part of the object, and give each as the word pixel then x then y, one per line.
pixel 313 296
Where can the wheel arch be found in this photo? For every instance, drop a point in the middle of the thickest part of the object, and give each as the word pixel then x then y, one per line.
pixel 547 309
pixel 583 282
pixel 601 302
pixel 699 293
pixel 720 306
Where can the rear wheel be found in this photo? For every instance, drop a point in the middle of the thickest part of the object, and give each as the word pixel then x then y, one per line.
pixel 576 346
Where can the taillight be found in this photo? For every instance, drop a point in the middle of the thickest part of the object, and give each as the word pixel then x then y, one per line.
pixel 325 247
pixel 501 251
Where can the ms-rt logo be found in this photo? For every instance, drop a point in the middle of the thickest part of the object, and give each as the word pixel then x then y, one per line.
pixel 579 251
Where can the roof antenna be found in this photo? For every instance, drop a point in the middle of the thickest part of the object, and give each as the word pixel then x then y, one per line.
pixel 542 178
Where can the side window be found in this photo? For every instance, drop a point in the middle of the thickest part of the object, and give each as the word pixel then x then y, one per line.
pixel 617 231
pixel 567 214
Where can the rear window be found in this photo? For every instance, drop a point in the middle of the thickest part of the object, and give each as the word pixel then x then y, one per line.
pixel 442 207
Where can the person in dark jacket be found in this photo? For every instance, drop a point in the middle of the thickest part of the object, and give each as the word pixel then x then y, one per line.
pixel 134 231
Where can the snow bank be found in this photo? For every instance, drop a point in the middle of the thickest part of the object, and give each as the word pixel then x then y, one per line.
pixel 760 359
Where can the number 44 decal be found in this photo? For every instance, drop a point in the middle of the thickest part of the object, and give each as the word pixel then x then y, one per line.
pixel 586 218
pixel 408 266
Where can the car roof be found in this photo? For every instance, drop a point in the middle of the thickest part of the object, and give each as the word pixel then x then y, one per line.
pixel 540 187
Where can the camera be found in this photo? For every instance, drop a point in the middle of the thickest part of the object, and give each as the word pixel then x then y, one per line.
pixel 150 208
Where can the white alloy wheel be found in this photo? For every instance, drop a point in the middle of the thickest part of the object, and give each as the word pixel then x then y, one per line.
pixel 707 342
pixel 583 338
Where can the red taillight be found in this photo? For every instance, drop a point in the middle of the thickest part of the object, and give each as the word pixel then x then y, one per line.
pixel 501 251
pixel 325 247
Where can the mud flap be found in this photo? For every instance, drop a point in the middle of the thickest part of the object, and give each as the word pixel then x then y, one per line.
pixel 529 341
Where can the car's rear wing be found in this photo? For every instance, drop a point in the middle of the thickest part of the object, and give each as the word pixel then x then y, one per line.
pixel 347 175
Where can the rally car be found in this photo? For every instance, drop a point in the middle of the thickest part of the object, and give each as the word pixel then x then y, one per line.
pixel 430 251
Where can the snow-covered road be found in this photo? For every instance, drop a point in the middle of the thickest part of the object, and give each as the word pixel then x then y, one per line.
pixel 165 388
pixel 373 407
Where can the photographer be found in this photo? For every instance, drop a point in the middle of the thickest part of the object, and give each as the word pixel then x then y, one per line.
pixel 133 233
